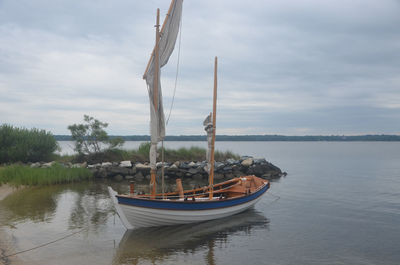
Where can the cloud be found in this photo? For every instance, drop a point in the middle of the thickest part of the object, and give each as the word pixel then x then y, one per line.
pixel 292 67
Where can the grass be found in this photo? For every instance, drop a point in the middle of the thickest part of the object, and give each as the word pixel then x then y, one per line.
pixel 17 175
pixel 142 154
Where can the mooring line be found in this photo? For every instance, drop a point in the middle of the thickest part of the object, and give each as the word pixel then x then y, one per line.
pixel 275 196
pixel 43 245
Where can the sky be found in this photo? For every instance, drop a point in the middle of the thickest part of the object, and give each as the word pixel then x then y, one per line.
pixel 291 67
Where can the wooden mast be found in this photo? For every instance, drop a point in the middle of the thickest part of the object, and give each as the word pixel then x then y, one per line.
pixel 155 95
pixel 162 30
pixel 214 116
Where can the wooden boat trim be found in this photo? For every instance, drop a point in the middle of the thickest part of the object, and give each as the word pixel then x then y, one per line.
pixel 182 205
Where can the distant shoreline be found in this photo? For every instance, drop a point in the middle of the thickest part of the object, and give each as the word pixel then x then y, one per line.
pixel 261 138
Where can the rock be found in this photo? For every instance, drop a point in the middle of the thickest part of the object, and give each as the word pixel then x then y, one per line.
pixel 106 164
pixel 237 173
pixel 173 168
pixel 139 176
pixel 94 166
pixel 101 173
pixel 229 176
pixel 192 164
pixel 260 161
pixel 184 165
pixel 247 162
pixel 129 177
pixel 197 177
pixel 143 168
pixel 125 164
pixel 218 176
pixel 227 169
pixel 177 163
pixel 120 170
pixel 118 177
pixel 179 174
pixel 77 165
pixel 47 165
pixel 219 165
pixel 231 161
pixel 35 165
pixel 193 171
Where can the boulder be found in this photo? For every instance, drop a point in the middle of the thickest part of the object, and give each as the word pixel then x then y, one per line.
pixel 106 164
pixel 112 171
pixel 184 165
pixel 143 168
pixel 100 173
pixel 198 177
pixel 218 176
pixel 173 167
pixel 125 164
pixel 139 176
pixel 193 171
pixel 118 177
pixel 247 162
pixel 35 165
pixel 47 165
pixel 218 165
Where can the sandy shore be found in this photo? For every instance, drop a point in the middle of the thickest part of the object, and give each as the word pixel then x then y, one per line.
pixel 6 241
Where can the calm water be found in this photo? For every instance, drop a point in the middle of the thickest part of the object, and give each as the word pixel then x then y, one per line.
pixel 340 204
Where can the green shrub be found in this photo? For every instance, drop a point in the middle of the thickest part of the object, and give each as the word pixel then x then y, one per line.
pixel 23 145
pixel 56 174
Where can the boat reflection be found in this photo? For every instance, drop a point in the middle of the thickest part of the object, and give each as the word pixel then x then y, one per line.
pixel 157 244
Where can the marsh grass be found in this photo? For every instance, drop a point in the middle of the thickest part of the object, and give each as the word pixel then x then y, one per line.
pixel 18 175
pixel 141 154
pixel 171 155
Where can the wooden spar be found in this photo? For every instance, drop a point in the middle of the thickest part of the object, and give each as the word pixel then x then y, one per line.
pixel 155 96
pixel 211 177
pixel 162 31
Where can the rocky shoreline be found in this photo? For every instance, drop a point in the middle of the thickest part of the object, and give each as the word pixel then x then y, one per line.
pixel 137 171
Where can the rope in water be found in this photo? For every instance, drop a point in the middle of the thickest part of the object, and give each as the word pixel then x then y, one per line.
pixel 45 244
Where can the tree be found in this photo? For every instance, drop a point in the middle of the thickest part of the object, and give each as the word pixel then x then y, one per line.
pixel 91 137
pixel 25 145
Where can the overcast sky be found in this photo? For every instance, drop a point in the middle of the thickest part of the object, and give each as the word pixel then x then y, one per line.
pixel 293 67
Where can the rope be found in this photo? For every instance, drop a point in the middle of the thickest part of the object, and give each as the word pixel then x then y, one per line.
pixel 45 244
pixel 275 196
pixel 177 69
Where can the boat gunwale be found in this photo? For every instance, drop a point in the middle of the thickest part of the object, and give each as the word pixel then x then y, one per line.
pixel 257 193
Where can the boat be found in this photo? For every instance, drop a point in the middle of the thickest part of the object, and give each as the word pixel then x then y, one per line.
pixel 181 206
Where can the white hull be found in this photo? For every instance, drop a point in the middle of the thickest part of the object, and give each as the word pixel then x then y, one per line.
pixel 136 217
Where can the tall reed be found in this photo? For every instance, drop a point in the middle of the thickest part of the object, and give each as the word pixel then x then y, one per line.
pixel 17 175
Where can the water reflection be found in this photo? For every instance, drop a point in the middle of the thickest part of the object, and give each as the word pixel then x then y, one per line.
pixel 34 204
pixel 156 244
pixel 78 205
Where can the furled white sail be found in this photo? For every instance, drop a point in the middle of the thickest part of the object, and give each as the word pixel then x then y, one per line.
pixel 167 41
pixel 208 127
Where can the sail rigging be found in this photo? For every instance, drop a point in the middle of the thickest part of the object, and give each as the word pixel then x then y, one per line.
pixel 165 43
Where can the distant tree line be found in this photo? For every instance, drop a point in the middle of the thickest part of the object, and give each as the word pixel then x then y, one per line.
pixel 333 138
